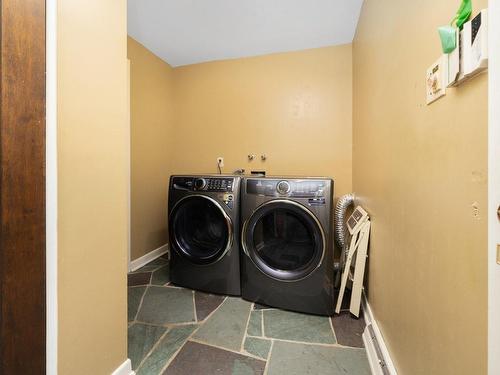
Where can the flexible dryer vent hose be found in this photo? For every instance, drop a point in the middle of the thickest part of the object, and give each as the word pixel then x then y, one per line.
pixel 340 216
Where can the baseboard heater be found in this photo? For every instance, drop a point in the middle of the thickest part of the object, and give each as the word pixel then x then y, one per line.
pixel 376 358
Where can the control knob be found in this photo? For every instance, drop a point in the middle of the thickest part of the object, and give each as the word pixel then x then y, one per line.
pixel 283 187
pixel 200 183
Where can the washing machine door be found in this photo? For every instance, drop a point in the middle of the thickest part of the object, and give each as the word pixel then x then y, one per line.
pixel 200 230
pixel 284 240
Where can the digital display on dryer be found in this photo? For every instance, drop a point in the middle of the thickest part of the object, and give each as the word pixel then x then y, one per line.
pixel 298 188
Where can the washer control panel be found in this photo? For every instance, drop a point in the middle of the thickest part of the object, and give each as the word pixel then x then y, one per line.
pixel 314 189
pixel 209 184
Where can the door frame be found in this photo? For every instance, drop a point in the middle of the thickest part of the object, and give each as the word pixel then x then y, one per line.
pixel 23 329
pixel 129 158
pixel 51 185
pixel 493 187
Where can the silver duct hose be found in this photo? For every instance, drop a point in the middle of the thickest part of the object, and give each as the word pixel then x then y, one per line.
pixel 339 218
pixel 339 224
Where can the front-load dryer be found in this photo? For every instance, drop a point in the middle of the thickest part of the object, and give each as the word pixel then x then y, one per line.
pixel 287 242
pixel 204 227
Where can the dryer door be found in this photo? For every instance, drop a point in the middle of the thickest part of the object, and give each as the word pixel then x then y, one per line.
pixel 284 240
pixel 200 230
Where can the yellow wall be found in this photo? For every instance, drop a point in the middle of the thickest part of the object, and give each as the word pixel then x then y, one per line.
pixel 294 107
pixel 151 105
pixel 92 186
pixel 418 170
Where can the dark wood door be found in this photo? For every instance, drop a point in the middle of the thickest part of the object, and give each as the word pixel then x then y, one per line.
pixel 22 187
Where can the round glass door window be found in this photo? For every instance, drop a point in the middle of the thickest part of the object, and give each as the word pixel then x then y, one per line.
pixel 200 230
pixel 284 240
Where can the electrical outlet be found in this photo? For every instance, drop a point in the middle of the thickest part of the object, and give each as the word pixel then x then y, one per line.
pixel 220 161
pixel 437 79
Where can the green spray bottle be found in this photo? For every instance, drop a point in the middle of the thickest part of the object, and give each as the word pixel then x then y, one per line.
pixel 448 34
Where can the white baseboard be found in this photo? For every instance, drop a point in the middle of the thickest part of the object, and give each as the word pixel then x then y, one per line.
pixel 145 259
pixel 124 369
pixel 374 354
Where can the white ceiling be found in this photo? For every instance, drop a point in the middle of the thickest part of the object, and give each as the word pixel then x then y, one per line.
pixel 183 32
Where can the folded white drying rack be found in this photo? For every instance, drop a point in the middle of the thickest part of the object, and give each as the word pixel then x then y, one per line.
pixel 358 225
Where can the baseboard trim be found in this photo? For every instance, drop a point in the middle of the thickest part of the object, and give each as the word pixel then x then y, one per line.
pixel 124 369
pixel 376 353
pixel 146 258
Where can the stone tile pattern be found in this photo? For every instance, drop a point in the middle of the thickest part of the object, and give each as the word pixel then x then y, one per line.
pixel 165 350
pixel 178 331
pixel 161 305
pixel 285 325
pixel 134 300
pixel 141 339
pixel 196 358
pixel 206 303
pixel 226 327
pixel 302 359
pixel 139 278
pixel 257 346
pixel 255 323
pixel 155 273
pixel 161 276
pixel 348 329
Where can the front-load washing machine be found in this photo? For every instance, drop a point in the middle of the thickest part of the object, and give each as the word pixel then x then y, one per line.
pixel 287 242
pixel 204 233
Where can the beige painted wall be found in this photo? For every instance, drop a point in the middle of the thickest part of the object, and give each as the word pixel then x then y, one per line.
pixel 92 186
pixel 418 170
pixel 151 105
pixel 295 107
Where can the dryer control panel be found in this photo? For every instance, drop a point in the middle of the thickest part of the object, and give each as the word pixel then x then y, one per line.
pixel 209 184
pixel 293 188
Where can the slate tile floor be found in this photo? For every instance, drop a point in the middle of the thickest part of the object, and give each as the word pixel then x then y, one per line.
pixel 178 331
